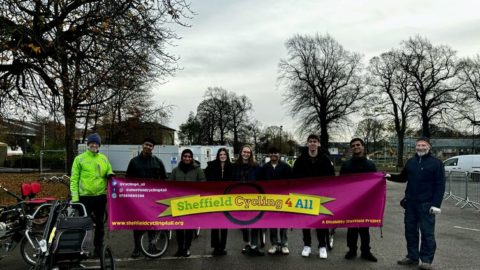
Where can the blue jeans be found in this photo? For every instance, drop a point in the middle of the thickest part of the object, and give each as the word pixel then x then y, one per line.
pixel 419 220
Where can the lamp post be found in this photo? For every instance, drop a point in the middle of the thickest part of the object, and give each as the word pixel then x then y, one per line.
pixel 281 129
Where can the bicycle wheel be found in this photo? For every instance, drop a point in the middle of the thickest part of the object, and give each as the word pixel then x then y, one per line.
pixel 107 262
pixel 29 252
pixel 153 244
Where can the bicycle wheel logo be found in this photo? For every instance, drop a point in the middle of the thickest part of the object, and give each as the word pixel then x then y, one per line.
pixel 243 186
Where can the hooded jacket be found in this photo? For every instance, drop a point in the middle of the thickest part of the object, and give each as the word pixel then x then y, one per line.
pixel 194 173
pixel 89 175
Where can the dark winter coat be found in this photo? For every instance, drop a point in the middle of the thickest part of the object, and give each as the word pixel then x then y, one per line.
pixel 146 167
pixel 213 172
pixel 192 174
pixel 246 172
pixel 425 178
pixel 358 165
pixel 281 171
pixel 306 166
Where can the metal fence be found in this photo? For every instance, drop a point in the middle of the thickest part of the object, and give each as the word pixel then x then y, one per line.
pixel 463 187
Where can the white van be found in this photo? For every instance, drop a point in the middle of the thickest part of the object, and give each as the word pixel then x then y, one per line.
pixel 465 163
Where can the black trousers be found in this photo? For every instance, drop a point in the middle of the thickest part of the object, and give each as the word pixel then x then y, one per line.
pixel 252 236
pixel 321 236
pixel 184 239
pixel 352 239
pixel 219 238
pixel 95 206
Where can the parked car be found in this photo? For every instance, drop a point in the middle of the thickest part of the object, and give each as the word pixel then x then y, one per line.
pixel 464 163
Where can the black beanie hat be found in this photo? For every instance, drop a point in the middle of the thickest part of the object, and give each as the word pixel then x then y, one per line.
pixel 425 139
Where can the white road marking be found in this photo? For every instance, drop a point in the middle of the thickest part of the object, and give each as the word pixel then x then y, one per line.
pixel 469 229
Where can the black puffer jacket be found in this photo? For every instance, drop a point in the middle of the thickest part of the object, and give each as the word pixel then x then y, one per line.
pixel 306 166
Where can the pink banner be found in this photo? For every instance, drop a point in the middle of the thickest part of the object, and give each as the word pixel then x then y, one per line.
pixel 355 200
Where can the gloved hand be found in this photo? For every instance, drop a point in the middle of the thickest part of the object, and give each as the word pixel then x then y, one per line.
pixel 435 210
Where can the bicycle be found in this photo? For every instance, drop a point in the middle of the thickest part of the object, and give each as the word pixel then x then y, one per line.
pixel 153 244
pixel 15 218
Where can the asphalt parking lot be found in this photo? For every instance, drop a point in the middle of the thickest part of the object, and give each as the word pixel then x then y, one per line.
pixel 457 232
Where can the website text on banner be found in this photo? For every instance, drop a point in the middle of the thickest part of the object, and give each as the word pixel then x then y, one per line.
pixel 356 200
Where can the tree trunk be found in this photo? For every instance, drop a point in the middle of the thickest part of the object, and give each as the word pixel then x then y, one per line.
pixel 70 121
pixel 400 149
pixel 425 125
pixel 323 135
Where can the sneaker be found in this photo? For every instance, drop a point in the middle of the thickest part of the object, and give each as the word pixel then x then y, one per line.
pixel 369 257
pixel 219 252
pixel 179 253
pixel 350 255
pixel 256 252
pixel 306 251
pixel 274 249
pixel 322 252
pixel 186 253
pixel 407 261
pixel 285 251
pixel 425 266
pixel 246 249
pixel 135 254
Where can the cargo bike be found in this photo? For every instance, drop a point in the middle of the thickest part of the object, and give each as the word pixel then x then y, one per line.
pixel 67 239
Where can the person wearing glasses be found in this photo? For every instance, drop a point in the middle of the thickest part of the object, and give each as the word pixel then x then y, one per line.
pixel 145 166
pixel 187 170
pixel 358 164
pixel 246 170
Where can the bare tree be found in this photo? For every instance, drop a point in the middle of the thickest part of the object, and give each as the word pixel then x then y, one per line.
pixel 371 130
pixel 323 81
pixel 217 100
pixel 390 87
pixel 469 101
pixel 434 73
pixel 64 51
pixel 240 107
pixel 191 131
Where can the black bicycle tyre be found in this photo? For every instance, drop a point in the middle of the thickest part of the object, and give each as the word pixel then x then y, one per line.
pixel 107 262
pixel 29 254
pixel 161 242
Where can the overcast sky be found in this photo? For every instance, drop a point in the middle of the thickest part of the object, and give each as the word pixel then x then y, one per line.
pixel 238 44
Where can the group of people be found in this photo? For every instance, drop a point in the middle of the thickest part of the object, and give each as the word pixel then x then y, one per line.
pixel 423 173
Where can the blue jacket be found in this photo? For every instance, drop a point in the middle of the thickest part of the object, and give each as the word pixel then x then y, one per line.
pixel 425 178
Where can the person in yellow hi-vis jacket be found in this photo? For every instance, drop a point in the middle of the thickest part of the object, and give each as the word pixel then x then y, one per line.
pixel 88 185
